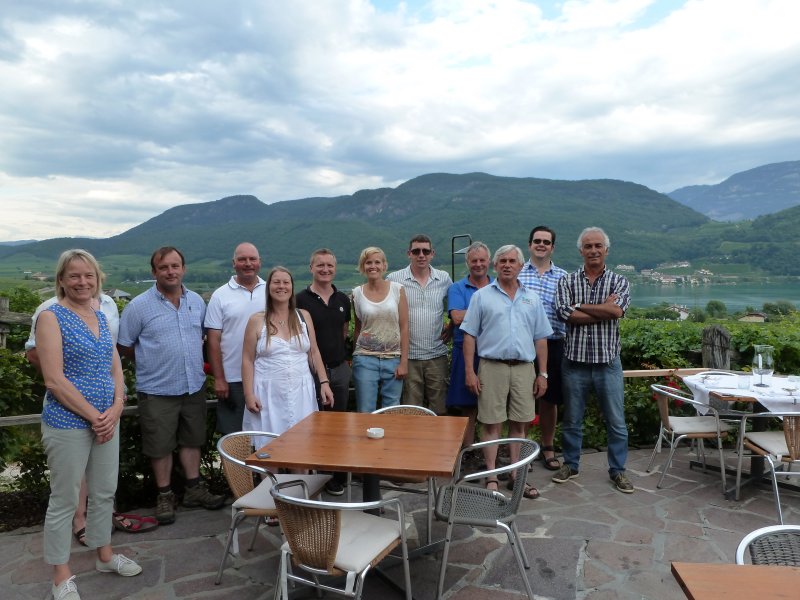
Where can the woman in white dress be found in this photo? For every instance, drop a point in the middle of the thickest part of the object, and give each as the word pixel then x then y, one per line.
pixel 279 345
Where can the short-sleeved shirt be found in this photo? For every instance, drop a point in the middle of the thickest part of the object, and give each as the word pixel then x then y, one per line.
pixel 229 309
pixel 329 321
pixel 168 342
pixel 545 285
pixel 87 364
pixel 458 297
pixel 107 305
pixel 506 329
pixel 425 312
pixel 597 343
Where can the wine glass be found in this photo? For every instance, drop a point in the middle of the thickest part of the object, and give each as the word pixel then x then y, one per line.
pixel 763 363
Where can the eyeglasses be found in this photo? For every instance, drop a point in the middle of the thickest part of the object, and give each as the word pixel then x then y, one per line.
pixel 545 242
pixel 416 251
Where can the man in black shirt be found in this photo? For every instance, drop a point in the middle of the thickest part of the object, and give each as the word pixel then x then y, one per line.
pixel 330 313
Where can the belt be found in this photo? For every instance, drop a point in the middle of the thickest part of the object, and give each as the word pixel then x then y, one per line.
pixel 511 362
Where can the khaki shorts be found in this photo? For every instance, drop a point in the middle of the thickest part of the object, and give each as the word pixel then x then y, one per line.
pixel 171 421
pixel 506 392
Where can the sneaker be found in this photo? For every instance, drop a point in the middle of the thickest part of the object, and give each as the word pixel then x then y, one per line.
pixel 564 474
pixel 165 508
pixel 66 590
pixel 119 564
pixel 334 488
pixel 200 496
pixel 622 483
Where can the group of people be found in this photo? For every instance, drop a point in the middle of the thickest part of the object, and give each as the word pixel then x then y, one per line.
pixel 532 332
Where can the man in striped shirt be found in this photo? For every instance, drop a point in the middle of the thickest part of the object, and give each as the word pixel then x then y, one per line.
pixel 592 300
pixel 426 291
pixel 542 276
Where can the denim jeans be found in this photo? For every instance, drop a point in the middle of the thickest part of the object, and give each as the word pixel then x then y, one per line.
pixel 368 373
pixel 578 380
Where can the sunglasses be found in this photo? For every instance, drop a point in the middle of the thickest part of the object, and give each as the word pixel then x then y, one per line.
pixel 545 242
pixel 417 251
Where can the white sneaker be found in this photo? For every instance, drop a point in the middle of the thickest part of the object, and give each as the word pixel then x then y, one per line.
pixel 119 564
pixel 66 590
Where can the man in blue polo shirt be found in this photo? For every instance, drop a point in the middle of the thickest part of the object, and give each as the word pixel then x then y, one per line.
pixel 508 324
pixel 458 297
pixel 162 330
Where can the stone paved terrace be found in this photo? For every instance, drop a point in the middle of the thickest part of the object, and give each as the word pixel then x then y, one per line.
pixel 584 539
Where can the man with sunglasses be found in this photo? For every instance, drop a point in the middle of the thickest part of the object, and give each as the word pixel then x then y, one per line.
pixel 426 291
pixel 541 275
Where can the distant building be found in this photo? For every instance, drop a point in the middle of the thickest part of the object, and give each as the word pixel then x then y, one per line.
pixel 646 272
pixel 626 268
pixel 118 294
pixel 753 317
pixel 680 310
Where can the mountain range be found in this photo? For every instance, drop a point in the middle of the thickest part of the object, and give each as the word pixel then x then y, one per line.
pixel 646 227
pixel 746 195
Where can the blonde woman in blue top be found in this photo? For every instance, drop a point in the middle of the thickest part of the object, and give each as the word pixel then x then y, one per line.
pixel 80 419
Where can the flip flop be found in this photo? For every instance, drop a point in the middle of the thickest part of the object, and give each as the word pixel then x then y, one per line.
pixel 134 523
pixel 80 535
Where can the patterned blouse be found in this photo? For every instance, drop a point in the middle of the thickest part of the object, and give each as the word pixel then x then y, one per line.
pixel 87 365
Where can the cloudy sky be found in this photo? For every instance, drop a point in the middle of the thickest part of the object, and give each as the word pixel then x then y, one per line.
pixel 112 111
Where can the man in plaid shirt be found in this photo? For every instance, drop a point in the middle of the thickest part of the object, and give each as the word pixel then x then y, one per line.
pixel 591 301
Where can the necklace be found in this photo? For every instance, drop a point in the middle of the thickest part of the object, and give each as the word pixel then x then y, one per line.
pixel 79 313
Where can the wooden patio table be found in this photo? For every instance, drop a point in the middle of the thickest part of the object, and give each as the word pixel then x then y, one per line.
pixel 703 581
pixel 420 446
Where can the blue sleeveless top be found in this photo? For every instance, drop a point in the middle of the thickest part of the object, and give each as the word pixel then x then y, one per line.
pixel 87 365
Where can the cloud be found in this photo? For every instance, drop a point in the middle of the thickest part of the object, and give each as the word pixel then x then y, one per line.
pixel 146 105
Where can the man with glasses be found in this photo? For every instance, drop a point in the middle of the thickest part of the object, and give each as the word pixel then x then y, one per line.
pixel 541 275
pixel 592 300
pixel 426 290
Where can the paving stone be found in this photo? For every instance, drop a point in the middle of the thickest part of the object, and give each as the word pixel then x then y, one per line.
pixel 634 535
pixel 578 528
pixel 620 556
pixel 594 576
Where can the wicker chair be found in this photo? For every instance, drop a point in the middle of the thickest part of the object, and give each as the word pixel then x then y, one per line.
pixel 462 503
pixel 773 545
pixel 252 500
pixel 674 430
pixel 778 448
pixel 327 538
pixel 407 409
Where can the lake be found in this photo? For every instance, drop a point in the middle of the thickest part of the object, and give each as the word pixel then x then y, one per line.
pixel 736 297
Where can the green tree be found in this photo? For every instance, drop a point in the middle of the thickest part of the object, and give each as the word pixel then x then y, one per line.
pixel 22 299
pixel 716 309
pixel 697 315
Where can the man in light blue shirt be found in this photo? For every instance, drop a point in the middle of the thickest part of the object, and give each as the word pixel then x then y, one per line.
pixel 162 330
pixel 510 327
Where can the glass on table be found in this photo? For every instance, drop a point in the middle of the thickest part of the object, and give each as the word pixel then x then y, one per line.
pixel 743 382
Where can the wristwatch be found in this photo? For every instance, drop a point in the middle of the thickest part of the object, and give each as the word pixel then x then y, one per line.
pixel 542 374
pixel 578 306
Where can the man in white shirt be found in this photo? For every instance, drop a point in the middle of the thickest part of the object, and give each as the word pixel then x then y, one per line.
pixel 426 291
pixel 229 309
